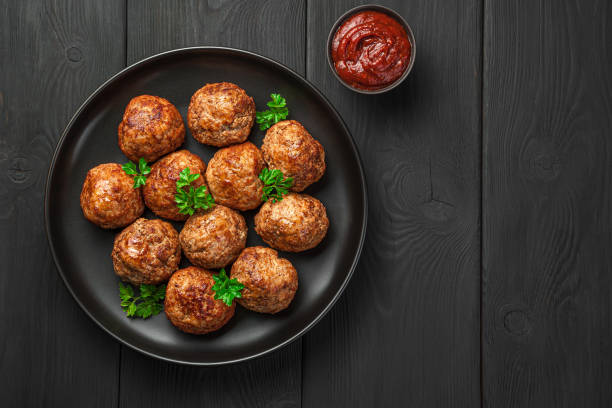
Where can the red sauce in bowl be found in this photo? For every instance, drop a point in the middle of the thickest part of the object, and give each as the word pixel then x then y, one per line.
pixel 370 50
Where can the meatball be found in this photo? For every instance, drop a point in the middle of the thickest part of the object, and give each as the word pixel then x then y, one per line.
pixel 214 238
pixel 147 251
pixel 190 304
pixel 296 223
pixel 151 127
pixel 108 197
pixel 160 188
pixel 233 176
pixel 289 148
pixel 269 282
pixel 221 114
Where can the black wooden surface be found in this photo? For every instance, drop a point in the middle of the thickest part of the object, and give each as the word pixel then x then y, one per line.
pixel 54 54
pixel 485 279
pixel 406 332
pixel 547 210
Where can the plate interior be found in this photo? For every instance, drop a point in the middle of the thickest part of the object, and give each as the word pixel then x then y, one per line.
pixel 82 250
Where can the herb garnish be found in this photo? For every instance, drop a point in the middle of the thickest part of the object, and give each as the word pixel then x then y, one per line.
pixel 275 186
pixel 140 173
pixel 150 301
pixel 190 200
pixel 225 288
pixel 278 111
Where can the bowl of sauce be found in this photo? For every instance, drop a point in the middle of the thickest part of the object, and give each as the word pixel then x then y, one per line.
pixel 371 49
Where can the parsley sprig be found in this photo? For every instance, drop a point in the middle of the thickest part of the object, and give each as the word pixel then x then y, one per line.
pixel 150 301
pixel 225 288
pixel 139 173
pixel 190 199
pixel 275 184
pixel 278 111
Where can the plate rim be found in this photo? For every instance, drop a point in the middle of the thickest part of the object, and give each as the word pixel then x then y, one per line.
pixel 204 49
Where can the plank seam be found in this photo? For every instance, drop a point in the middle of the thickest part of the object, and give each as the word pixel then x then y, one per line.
pixel 482 164
pixel 125 33
pixel 306 39
pixel 119 377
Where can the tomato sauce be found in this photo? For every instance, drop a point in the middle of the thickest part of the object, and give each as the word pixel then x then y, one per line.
pixel 370 50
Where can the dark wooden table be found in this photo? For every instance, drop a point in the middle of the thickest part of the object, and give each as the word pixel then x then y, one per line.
pixel 486 278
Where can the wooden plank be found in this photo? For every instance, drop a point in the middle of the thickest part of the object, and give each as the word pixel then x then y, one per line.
pixel 407 331
pixel 274 29
pixel 269 381
pixel 54 54
pixel 269 27
pixel 547 270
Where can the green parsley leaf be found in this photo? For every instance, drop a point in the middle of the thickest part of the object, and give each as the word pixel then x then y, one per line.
pixel 275 184
pixel 278 111
pixel 225 288
pixel 156 308
pixel 160 294
pixel 131 309
pixel 189 200
pixel 129 168
pixel 139 173
pixel 147 290
pixel 143 167
pixel 149 303
pixel 144 310
pixel 125 292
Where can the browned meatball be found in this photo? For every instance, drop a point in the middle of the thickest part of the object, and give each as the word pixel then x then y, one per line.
pixel 269 282
pixel 190 304
pixel 289 148
pixel 214 238
pixel 151 127
pixel 221 114
pixel 160 187
pixel 233 176
pixel 296 223
pixel 147 251
pixel 108 198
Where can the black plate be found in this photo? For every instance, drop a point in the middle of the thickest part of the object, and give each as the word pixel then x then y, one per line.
pixel 82 251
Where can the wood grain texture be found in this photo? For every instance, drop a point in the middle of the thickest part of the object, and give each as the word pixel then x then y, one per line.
pixel 547 204
pixel 406 331
pixel 270 381
pixel 271 28
pixel 54 54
